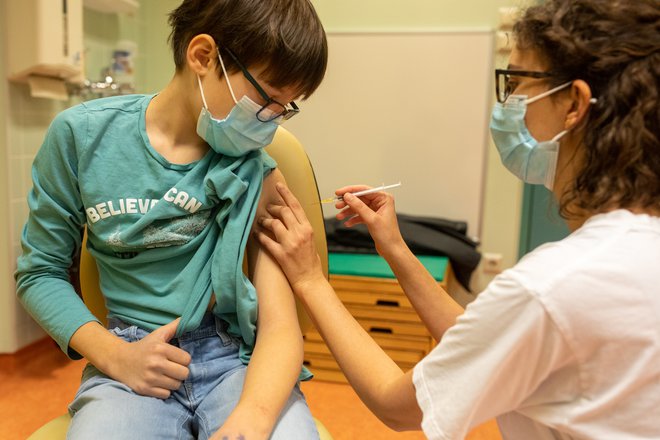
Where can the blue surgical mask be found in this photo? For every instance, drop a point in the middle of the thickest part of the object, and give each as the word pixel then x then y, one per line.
pixel 530 160
pixel 240 132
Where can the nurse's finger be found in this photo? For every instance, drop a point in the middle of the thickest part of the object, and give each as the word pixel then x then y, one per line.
pixel 292 202
pixel 354 221
pixel 348 212
pixel 360 208
pixel 276 227
pixel 284 213
pixel 351 188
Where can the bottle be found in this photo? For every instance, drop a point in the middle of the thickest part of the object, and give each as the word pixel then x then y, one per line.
pixel 123 67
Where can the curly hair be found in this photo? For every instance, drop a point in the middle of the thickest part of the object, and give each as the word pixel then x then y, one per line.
pixel 614 46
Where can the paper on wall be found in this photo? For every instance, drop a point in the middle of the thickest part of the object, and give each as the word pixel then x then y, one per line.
pixel 49 88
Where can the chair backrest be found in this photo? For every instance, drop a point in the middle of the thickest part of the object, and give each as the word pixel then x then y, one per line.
pixel 294 164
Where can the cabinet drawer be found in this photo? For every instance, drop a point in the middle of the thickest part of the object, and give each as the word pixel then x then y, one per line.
pixel 320 362
pixel 384 313
pixel 393 328
pixel 365 284
pixel 413 343
pixel 399 356
pixel 326 375
pixel 374 298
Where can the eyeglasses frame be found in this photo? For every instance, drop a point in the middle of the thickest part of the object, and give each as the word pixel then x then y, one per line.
pixel 288 112
pixel 511 72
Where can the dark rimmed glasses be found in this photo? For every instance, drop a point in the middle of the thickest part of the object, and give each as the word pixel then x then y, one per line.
pixel 504 85
pixel 272 109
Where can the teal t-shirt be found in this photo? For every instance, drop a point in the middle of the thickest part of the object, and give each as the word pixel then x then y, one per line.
pixel 165 236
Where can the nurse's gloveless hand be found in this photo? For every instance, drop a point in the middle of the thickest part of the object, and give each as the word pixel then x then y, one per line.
pixel 376 211
pixel 289 237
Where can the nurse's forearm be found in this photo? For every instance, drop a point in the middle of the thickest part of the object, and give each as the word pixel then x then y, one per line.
pixel 370 371
pixel 432 303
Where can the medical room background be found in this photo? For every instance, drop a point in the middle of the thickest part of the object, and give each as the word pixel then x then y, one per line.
pixel 462 180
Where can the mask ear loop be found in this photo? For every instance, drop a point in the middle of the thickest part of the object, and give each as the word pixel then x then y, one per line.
pixel 201 89
pixel 548 93
pixel 559 136
pixel 224 71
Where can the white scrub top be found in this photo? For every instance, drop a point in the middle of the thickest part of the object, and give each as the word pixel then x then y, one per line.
pixel 565 345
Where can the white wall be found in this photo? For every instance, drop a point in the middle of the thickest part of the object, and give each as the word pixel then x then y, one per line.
pixel 503 192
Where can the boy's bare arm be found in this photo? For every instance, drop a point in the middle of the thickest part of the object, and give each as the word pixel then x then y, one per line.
pixel 278 354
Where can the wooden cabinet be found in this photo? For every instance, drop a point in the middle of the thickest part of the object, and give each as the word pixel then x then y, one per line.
pixel 383 310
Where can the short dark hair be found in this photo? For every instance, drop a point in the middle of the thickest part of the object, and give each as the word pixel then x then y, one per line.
pixel 614 46
pixel 286 36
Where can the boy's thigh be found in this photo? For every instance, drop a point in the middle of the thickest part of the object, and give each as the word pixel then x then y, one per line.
pixel 295 421
pixel 106 409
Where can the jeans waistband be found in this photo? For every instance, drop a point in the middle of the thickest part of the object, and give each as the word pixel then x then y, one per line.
pixel 209 326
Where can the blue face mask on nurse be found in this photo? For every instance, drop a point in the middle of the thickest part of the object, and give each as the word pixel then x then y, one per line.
pixel 530 160
pixel 249 126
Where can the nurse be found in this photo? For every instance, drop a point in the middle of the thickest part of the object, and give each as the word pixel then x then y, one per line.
pixel 566 344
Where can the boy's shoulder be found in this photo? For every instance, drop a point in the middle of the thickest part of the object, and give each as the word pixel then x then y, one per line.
pixel 113 104
pixel 124 103
pixel 75 123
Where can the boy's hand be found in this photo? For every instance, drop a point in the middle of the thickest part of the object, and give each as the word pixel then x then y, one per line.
pixel 376 211
pixel 151 366
pixel 293 243
pixel 242 425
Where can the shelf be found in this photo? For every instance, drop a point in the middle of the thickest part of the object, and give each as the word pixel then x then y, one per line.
pixel 113 6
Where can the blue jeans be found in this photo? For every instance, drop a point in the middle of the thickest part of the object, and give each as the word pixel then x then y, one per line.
pixel 106 409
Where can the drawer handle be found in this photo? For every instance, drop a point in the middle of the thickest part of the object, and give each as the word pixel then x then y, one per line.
pixel 381 330
pixel 307 363
pixel 382 302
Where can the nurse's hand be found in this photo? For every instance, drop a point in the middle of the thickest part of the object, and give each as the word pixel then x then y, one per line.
pixel 376 211
pixel 289 237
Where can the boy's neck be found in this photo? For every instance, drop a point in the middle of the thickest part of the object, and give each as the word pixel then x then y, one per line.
pixel 171 123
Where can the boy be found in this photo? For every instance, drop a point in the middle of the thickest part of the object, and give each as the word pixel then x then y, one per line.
pixel 168 186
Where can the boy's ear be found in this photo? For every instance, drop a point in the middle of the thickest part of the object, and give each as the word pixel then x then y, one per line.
pixel 202 54
pixel 580 94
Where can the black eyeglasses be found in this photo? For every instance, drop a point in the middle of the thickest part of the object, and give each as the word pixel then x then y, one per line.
pixel 272 109
pixel 504 85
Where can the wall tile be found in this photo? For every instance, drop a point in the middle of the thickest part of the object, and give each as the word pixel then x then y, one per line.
pixel 18 209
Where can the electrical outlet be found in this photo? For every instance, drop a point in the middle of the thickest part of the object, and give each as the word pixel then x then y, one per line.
pixel 492 263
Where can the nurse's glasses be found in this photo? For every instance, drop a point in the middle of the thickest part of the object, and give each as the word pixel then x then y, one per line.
pixel 505 82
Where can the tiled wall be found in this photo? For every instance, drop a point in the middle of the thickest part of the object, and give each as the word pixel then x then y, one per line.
pixel 6 316
pixel 26 122
pixel 23 124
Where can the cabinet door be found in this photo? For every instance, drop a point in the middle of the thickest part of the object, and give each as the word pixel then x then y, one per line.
pixel 540 221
